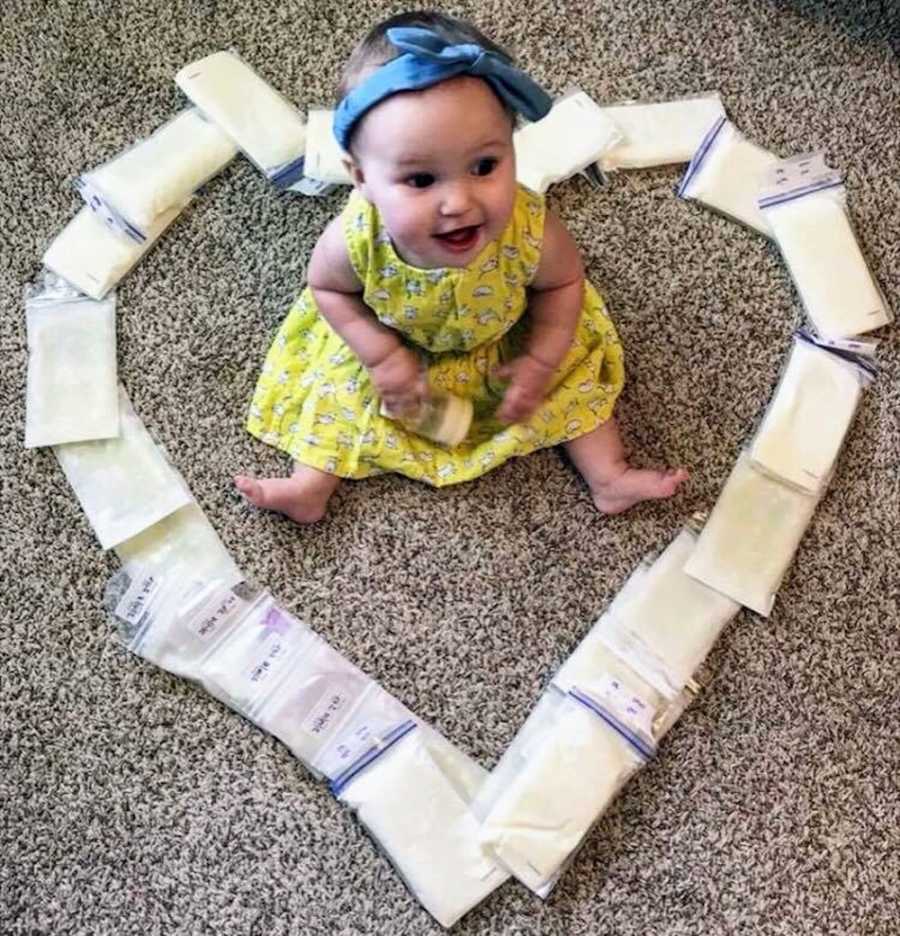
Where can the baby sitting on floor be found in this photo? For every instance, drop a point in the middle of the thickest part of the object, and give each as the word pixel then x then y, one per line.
pixel 440 274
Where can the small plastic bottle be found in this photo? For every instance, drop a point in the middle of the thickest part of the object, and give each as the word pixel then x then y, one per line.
pixel 442 417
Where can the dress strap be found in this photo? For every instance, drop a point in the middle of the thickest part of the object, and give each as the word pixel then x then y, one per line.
pixel 360 222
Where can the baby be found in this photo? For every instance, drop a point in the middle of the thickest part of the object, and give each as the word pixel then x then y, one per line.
pixel 441 273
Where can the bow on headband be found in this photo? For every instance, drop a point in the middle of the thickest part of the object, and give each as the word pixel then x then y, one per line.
pixel 427 60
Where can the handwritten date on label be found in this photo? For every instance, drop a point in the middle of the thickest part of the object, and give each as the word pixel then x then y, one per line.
pixel 135 601
pixel 323 716
pixel 627 707
pixel 208 622
pixel 274 649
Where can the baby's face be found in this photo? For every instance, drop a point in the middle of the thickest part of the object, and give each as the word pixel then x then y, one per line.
pixel 439 166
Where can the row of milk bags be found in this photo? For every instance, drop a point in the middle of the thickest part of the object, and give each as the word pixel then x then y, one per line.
pixel 409 786
pixel 608 706
pixel 452 831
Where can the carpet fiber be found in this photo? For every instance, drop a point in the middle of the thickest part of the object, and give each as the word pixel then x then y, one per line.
pixel 131 803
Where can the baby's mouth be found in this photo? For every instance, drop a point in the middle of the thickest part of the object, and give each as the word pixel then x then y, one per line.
pixel 461 238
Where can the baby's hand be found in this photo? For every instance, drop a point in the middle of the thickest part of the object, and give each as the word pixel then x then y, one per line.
pixel 400 381
pixel 529 379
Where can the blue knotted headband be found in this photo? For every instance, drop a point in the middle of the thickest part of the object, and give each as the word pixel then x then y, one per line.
pixel 426 60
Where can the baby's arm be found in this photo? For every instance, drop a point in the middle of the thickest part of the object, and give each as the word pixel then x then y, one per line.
pixel 395 370
pixel 554 309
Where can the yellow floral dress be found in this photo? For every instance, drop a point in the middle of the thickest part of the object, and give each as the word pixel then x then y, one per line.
pixel 314 398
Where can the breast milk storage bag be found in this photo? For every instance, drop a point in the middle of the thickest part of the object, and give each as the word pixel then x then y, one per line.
pixel 805 206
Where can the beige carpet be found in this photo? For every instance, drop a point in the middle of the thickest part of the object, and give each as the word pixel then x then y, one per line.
pixel 131 803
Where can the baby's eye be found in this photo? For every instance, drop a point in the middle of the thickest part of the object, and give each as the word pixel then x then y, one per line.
pixel 485 166
pixel 420 180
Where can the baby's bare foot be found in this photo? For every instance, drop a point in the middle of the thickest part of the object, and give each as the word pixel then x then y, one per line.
pixel 303 497
pixel 635 485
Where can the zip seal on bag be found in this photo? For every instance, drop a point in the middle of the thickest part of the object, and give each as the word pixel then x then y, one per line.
pixel 378 747
pixel 97 202
pixel 701 154
pixel 645 750
pixel 860 353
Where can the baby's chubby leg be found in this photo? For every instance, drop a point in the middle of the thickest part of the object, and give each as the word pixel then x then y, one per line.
pixel 303 496
pixel 615 485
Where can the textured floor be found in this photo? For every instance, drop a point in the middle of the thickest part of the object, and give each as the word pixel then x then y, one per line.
pixel 130 803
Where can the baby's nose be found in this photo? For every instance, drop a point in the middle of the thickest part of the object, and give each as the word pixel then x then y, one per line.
pixel 456 198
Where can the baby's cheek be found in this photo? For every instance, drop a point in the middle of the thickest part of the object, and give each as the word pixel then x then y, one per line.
pixel 405 221
pixel 506 203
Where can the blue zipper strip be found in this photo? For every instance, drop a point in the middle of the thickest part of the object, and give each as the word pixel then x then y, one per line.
pixel 862 362
pixel 700 155
pixel 642 749
pixel 286 175
pixel 340 782
pixel 95 202
pixel 794 194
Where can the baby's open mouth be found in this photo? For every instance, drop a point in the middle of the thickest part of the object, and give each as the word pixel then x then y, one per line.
pixel 461 238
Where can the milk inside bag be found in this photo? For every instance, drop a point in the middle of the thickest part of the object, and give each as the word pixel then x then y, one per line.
pixel 805 205
pixel 422 821
pixel 262 122
pixel 726 174
pixel 751 536
pixel 124 484
pixel 572 136
pixel 157 174
pixel 660 133
pixel 810 413
pixel 72 392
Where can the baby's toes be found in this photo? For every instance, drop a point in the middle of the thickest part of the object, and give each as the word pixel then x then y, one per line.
pixel 250 488
pixel 672 480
